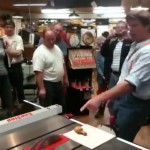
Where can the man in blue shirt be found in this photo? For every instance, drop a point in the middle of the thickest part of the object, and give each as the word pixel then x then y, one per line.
pixel 132 90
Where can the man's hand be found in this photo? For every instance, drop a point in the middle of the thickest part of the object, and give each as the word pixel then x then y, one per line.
pixel 65 82
pixel 13 52
pixel 6 43
pixel 42 93
pixel 118 90
pixel 9 50
pixel 92 105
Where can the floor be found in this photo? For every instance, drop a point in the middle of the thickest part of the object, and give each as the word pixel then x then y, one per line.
pixel 143 136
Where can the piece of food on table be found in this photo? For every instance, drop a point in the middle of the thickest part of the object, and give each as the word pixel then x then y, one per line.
pixel 79 130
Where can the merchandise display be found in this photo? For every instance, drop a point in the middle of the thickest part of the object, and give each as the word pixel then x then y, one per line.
pixel 81 58
pixel 88 37
pixel 74 40
pixel 79 35
pixel 81 62
pixel 81 85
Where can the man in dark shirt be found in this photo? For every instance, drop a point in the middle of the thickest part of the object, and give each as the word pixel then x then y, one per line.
pixel 115 50
pixel 58 29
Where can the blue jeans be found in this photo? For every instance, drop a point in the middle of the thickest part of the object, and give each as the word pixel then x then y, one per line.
pixel 112 82
pixel 131 113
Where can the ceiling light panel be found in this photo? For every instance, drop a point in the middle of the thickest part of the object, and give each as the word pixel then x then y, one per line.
pixel 57 16
pixel 139 8
pixel 25 4
pixel 103 10
pixel 55 11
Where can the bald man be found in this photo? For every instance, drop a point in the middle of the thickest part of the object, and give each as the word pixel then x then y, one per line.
pixel 48 65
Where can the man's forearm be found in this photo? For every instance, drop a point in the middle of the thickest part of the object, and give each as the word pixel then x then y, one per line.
pixel 39 80
pixel 116 91
pixel 65 72
pixel 14 53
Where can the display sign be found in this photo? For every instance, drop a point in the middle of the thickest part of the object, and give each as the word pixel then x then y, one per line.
pixel 81 58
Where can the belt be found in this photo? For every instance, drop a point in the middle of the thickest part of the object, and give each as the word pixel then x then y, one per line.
pixel 56 82
pixel 116 72
pixel 16 64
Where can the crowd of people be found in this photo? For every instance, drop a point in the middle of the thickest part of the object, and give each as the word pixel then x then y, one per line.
pixel 123 68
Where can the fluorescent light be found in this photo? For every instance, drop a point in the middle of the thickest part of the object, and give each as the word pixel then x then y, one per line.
pixel 17 17
pixel 115 7
pixel 103 10
pixel 24 4
pixel 110 12
pixel 58 16
pixel 47 20
pixel 113 15
pixel 107 11
pixel 115 20
pixel 139 8
pixel 88 20
pixel 55 11
pixel 73 17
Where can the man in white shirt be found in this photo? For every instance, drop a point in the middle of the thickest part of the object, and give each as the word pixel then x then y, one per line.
pixel 50 73
pixel 14 49
pixel 132 91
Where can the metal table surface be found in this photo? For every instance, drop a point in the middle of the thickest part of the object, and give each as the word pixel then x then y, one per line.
pixel 26 135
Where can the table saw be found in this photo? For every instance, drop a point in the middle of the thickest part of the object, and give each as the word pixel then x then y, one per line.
pixel 23 131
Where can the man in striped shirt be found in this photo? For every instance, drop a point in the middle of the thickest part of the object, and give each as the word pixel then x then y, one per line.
pixel 115 50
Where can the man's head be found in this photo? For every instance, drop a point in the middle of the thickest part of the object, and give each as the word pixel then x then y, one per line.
pixel 139 25
pixel 9 27
pixel 100 40
pixel 121 28
pixel 49 38
pixel 58 28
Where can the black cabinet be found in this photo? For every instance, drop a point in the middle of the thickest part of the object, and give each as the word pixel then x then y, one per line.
pixel 80 84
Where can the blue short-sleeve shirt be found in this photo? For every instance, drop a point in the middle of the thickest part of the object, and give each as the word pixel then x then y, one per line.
pixel 136 69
